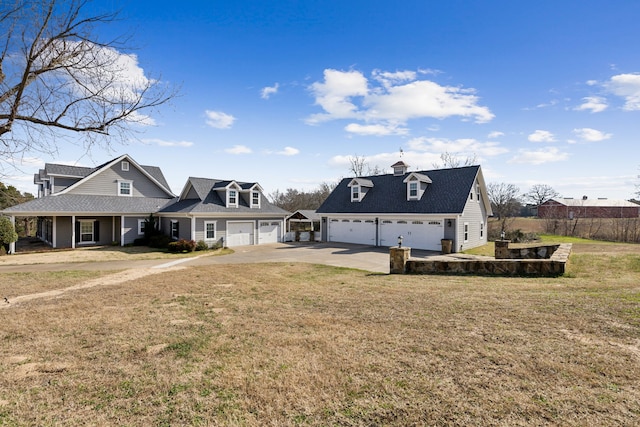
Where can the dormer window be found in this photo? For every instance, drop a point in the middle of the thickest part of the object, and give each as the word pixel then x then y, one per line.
pixel 355 193
pixel 255 199
pixel 359 188
pixel 413 190
pixel 232 198
pixel 416 185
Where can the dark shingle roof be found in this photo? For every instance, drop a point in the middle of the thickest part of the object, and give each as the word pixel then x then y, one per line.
pixel 89 204
pixel 66 170
pixel 211 202
pixel 447 193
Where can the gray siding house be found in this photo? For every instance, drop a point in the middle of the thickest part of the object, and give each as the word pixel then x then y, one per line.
pixel 423 207
pixel 108 204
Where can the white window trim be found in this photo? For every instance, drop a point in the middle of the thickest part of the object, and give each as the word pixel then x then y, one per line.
pixel 140 226
pixel 125 181
pixel 93 232
pixel 355 189
pixel 465 232
pixel 255 205
pixel 482 230
pixel 215 231
pixel 229 204
pixel 124 165
pixel 417 196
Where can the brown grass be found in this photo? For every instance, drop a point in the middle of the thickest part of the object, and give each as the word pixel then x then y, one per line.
pixel 286 344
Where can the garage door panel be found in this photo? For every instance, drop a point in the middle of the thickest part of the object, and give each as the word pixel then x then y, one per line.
pixel 240 233
pixel 269 232
pixel 415 234
pixel 361 232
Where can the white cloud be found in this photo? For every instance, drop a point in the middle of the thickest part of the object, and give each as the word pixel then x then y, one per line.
pixel 219 120
pixel 592 82
pixel 391 97
pixel 495 134
pixel 538 157
pixel 267 91
pixel 628 87
pixel 595 104
pixel 335 93
pixel 463 146
pixel 239 149
pixel 591 135
pixel 377 129
pixel 541 136
pixel 289 151
pixel 165 143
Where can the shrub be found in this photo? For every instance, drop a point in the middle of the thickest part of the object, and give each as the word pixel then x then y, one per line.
pixel 159 241
pixel 182 245
pixel 201 245
pixel 7 231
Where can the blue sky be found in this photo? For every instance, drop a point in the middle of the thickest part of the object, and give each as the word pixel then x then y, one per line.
pixel 284 92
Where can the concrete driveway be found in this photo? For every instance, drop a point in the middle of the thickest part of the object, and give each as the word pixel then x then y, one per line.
pixel 369 258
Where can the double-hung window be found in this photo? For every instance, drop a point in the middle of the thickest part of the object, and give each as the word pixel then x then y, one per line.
pixel 413 190
pixel 209 230
pixel 255 199
pixel 175 229
pixel 125 188
pixel 233 198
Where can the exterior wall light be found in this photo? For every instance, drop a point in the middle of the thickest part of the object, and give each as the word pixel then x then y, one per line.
pixel 400 241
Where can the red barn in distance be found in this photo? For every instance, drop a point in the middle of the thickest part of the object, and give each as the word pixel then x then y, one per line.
pixel 568 208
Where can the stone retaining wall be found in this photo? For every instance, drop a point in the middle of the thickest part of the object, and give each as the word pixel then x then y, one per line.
pixel 401 263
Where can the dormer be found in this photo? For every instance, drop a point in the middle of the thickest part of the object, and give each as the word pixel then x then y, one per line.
pixel 416 185
pixel 359 188
pixel 254 192
pixel 232 195
pixel 399 168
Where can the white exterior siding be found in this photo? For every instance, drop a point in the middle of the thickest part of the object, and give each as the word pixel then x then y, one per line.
pixel 474 214
pixel 106 183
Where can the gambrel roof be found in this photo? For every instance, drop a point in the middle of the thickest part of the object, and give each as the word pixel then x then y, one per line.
pixel 447 193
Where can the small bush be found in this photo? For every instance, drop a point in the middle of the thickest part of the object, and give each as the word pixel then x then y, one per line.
pixel 141 241
pixel 159 241
pixel 182 245
pixel 201 245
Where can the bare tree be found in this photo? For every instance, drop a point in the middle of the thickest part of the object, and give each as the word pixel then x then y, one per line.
pixel 292 200
pixel 540 193
pixel 504 202
pixel 448 160
pixel 57 78
pixel 359 166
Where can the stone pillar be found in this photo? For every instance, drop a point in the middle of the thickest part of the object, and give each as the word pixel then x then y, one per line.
pixel 502 249
pixel 398 259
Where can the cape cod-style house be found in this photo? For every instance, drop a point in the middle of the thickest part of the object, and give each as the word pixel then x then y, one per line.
pixel 108 204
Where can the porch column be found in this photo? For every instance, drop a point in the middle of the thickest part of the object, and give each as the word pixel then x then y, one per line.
pixel 12 245
pixel 73 231
pixel 122 230
pixel 54 232
pixel 193 228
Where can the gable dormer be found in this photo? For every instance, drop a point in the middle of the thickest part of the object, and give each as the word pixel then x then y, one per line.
pixel 255 196
pixel 416 185
pixel 359 188
pixel 400 168
pixel 232 193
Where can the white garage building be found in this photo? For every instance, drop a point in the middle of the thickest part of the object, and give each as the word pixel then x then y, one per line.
pixel 423 207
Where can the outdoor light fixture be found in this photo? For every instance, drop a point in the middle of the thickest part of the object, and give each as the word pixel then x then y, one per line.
pixel 399 241
pixel 449 223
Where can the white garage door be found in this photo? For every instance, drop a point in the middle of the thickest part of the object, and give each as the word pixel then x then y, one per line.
pixel 362 232
pixel 415 234
pixel 269 232
pixel 240 233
